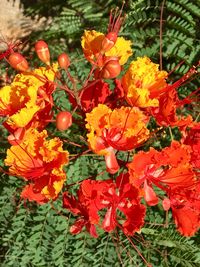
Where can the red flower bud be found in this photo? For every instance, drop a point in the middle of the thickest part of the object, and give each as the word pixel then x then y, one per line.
pixel 63 120
pixel 63 61
pixel 111 69
pixel 109 41
pixel 18 62
pixel 166 204
pixel 42 51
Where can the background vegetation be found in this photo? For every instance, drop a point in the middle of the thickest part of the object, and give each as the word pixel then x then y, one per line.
pixel 36 236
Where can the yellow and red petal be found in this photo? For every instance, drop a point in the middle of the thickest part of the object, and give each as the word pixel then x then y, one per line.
pixel 121 49
pixel 121 129
pixel 142 80
pixel 91 43
pixel 41 161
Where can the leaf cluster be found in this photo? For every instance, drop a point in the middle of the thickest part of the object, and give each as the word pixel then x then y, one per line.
pixel 39 236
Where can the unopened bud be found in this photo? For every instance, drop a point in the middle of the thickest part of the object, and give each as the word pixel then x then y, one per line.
pixel 42 51
pixel 18 62
pixel 111 69
pixel 63 61
pixel 109 41
pixel 63 120
pixel 166 204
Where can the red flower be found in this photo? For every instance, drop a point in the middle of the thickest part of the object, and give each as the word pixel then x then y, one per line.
pixel 165 113
pixel 95 93
pixel 116 98
pixel 94 196
pixel 86 206
pixel 168 169
pixel 186 209
pixel 124 197
pixel 79 208
pixel 30 194
pixel 193 140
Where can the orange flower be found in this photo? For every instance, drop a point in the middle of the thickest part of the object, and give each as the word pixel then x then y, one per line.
pixel 92 47
pixel 120 129
pixel 39 161
pixel 123 128
pixel 27 95
pixel 143 83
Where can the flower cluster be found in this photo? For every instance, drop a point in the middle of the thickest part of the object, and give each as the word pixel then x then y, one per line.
pixel 27 105
pixel 122 112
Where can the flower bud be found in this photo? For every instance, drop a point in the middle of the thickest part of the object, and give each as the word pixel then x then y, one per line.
pixel 111 69
pixel 63 61
pixel 109 41
pixel 166 204
pixel 63 120
pixel 18 62
pixel 42 51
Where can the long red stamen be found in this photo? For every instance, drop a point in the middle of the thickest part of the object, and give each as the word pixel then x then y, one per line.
pixel 116 20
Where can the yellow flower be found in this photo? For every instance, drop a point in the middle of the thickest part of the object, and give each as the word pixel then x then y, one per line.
pixel 143 83
pixel 92 44
pixel 19 101
pixel 121 49
pixel 39 76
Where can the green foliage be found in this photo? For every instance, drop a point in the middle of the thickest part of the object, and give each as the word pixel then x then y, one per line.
pixel 39 235
pixel 179 40
pixel 180 28
pixel 70 20
pixel 180 31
